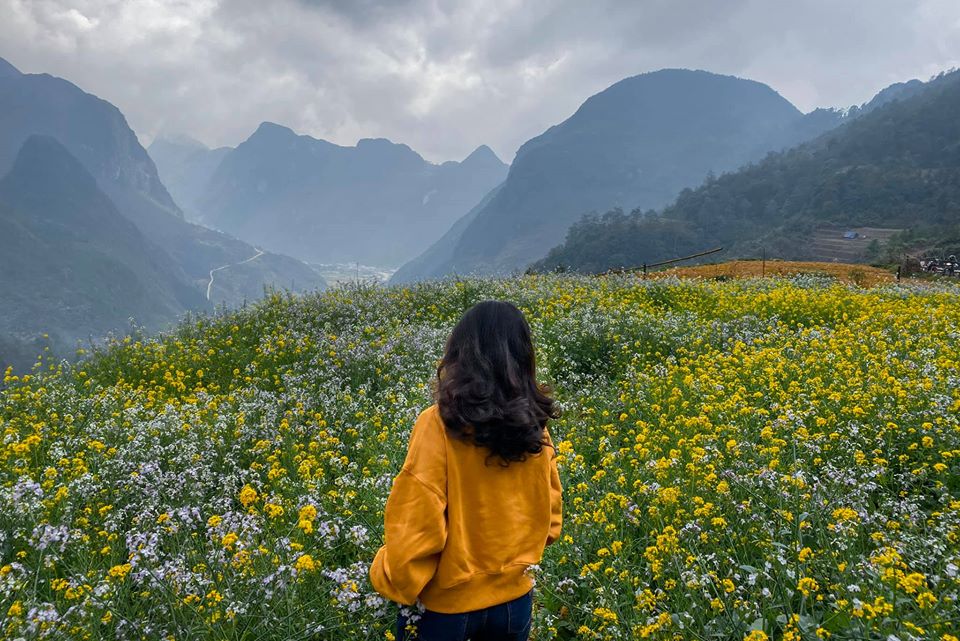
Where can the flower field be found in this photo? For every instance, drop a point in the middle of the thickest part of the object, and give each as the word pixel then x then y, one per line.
pixel 752 459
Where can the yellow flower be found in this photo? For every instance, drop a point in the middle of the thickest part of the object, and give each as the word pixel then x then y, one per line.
pixel 119 571
pixel 756 635
pixel 926 600
pixel 807 585
pixel 845 514
pixel 305 563
pixel 605 615
pixel 228 540
pixel 248 496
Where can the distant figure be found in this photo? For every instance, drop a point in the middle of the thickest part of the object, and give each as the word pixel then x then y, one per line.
pixel 478 497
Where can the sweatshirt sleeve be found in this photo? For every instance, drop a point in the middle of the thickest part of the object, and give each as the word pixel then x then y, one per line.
pixel 415 519
pixel 556 498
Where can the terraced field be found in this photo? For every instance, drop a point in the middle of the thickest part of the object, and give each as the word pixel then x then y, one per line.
pixel 829 245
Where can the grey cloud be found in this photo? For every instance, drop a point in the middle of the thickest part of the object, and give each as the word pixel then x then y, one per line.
pixel 444 77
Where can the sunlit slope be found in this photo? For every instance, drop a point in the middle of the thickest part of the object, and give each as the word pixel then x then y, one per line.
pixel 774 455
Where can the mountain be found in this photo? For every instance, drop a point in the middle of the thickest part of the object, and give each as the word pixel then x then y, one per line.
pixel 895 167
pixel 378 203
pixel 185 166
pixel 441 252
pixel 637 143
pixel 95 132
pixel 72 265
pixel 896 91
pixel 8 70
pixel 97 135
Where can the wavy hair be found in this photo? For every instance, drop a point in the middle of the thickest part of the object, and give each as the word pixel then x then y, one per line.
pixel 486 387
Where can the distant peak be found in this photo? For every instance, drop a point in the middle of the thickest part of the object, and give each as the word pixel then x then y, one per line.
pixel 375 142
pixel 38 144
pixel 178 140
pixel 678 77
pixel 482 154
pixel 896 91
pixel 384 147
pixel 42 159
pixel 273 129
pixel 7 70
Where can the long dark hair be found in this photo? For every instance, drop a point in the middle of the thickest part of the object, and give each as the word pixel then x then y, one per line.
pixel 487 390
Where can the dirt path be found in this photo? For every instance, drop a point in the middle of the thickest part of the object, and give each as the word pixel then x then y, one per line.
pixel 216 269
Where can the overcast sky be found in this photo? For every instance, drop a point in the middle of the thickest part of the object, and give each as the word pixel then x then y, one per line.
pixel 444 77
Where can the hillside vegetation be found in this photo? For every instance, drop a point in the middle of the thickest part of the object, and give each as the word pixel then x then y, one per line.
pixel 756 458
pixel 897 166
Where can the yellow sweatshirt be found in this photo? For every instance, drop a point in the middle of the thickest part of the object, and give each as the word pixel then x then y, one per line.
pixel 460 533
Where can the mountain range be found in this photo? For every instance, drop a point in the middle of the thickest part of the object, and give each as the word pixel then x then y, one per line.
pixel 894 166
pixel 94 238
pixel 45 120
pixel 636 144
pixel 377 203
pixel 97 134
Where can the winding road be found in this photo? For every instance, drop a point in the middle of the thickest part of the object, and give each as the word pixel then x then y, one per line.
pixel 216 269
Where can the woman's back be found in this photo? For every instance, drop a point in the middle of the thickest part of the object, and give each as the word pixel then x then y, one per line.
pixel 478 496
pixel 494 520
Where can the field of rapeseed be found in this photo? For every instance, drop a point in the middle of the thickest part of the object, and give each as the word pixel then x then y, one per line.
pixel 741 460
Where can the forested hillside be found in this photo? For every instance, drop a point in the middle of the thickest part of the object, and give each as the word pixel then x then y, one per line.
pixel 897 166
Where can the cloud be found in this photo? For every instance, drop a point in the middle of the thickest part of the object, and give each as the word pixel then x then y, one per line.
pixel 445 77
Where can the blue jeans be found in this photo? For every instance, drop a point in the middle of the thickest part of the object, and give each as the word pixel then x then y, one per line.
pixel 508 621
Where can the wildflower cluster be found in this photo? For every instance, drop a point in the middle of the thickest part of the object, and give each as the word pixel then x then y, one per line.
pixel 744 460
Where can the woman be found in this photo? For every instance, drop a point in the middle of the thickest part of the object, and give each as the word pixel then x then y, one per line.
pixel 478 496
